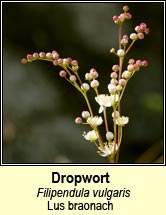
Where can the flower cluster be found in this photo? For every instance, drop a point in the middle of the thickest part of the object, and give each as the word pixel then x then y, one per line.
pixel 119 77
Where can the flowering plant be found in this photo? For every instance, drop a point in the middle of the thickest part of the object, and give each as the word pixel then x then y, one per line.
pixel 119 77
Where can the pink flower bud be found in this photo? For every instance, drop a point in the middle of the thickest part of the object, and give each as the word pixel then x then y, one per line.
pixel 130 67
pixel 35 55
pixel 123 42
pixel 24 61
pixel 121 17
pixel 29 57
pixel 85 114
pixel 55 62
pixel 122 82
pixel 114 75
pixel 49 55
pixel 144 63
pixel 62 73
pixel 138 62
pixel 115 68
pixel 55 55
pixel 60 60
pixel 131 61
pixel 125 37
pixel 74 62
pixel 137 29
pixel 42 55
pixel 125 8
pixel 128 15
pixel 143 26
pixel 94 73
pixel 78 120
pixel 115 19
pixel 140 36
pixel 147 31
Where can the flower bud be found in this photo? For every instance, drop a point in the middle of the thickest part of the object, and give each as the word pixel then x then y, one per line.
pixel 137 29
pixel 133 36
pixel 126 74
pixel 116 114
pixel 62 73
pixel 78 120
pixel 109 135
pixel 131 61
pixel 94 84
pixel 85 87
pixel 88 76
pixel 85 114
pixel 94 73
pixel 114 75
pixel 112 50
pixel 113 81
pixel 49 55
pixel 24 61
pixel 118 88
pixel 55 55
pixel 120 52
pixel 140 36
pixel 111 88
pixel 144 63
pixel 115 68
pixel 35 55
pixel 123 42
pixel 30 57
pixel 42 55
pixel 122 82
pixel 72 78
pixel 130 67
pixel 128 15
pixel 74 63
pixel 125 8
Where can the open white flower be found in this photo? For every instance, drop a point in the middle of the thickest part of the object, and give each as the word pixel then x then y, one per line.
pixel 107 150
pixel 94 121
pixel 106 101
pixel 104 152
pixel 92 136
pixel 123 120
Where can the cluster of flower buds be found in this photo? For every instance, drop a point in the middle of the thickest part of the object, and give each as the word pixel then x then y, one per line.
pixel 123 16
pixel 54 58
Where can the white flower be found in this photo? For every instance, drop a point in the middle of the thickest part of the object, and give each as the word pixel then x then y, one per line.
pixel 105 101
pixel 104 152
pixel 94 121
pixel 121 121
pixel 107 150
pixel 91 136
